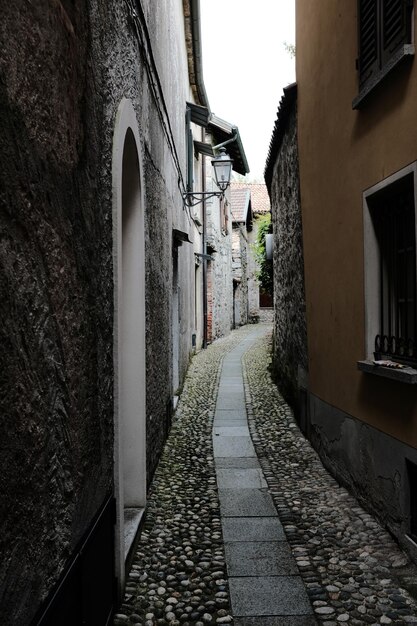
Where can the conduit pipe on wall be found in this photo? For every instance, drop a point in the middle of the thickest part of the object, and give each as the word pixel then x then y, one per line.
pixel 196 29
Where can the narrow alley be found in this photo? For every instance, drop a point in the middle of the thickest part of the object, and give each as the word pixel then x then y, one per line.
pixel 245 526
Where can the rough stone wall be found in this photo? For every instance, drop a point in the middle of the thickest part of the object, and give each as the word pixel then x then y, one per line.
pixel 290 343
pixel 240 271
pixel 220 285
pixel 55 299
pixel 253 283
pixel 64 69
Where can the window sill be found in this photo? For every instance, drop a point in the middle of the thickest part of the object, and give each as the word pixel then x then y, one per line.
pixel 406 375
pixel 406 51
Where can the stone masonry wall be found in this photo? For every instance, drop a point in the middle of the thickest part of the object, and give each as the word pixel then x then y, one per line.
pixel 64 68
pixel 290 337
pixel 253 282
pixel 240 271
pixel 220 284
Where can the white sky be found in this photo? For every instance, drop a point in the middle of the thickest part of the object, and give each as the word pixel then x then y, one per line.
pixel 246 67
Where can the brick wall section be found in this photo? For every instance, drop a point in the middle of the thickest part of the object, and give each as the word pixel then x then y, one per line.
pixel 290 345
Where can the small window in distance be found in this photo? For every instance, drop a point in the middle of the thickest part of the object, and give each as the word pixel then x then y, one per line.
pixel 390 268
pixel 412 483
pixel 385 38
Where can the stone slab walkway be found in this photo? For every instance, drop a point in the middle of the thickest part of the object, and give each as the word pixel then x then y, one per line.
pixel 264 581
pixel 241 530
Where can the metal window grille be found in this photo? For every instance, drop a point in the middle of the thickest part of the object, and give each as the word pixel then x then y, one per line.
pixel 393 215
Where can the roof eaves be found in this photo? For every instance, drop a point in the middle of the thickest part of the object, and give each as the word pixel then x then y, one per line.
pixel 224 131
pixel 284 110
pixel 192 20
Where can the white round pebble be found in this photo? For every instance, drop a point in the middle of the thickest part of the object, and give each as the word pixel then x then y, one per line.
pixel 324 610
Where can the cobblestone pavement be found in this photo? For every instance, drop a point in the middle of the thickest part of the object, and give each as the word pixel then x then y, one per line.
pixel 351 567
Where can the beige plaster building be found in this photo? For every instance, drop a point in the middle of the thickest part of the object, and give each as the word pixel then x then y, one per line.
pixel 357 142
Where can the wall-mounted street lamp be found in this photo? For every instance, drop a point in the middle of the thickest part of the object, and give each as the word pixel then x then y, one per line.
pixel 222 165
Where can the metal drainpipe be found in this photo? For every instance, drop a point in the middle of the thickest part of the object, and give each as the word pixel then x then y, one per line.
pixel 204 242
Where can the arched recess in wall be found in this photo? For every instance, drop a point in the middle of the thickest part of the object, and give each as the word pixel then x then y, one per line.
pixel 129 332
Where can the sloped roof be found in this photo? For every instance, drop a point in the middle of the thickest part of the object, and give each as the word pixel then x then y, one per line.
pixel 240 201
pixel 258 195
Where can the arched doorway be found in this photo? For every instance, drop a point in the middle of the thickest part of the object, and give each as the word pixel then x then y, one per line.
pixel 129 332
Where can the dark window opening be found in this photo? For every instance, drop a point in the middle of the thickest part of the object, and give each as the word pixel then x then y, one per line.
pixel 412 482
pixel 393 216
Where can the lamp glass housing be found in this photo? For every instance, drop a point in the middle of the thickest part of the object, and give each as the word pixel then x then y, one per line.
pixel 222 165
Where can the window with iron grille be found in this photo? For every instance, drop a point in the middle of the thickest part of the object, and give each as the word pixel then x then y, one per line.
pixel 385 38
pixel 392 211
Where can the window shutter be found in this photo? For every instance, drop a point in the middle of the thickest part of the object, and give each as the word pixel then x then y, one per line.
pixel 368 39
pixel 395 27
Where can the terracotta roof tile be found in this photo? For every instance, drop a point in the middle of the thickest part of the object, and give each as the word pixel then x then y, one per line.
pixel 258 193
pixel 239 198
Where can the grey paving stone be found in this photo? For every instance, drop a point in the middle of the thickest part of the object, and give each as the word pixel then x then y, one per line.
pixel 240 478
pixel 230 414
pixel 236 402
pixel 237 462
pixel 290 620
pixel 233 446
pixel 269 595
pixel 230 423
pixel 246 503
pixel 231 380
pixel 252 529
pixel 259 558
pixel 231 431
pixel 231 369
pixel 230 394
pixel 225 390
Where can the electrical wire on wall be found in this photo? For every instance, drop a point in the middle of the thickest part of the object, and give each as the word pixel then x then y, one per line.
pixel 138 20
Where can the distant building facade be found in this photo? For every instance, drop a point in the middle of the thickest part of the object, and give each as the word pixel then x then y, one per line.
pixel 259 205
pixel 219 236
pixel 241 209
